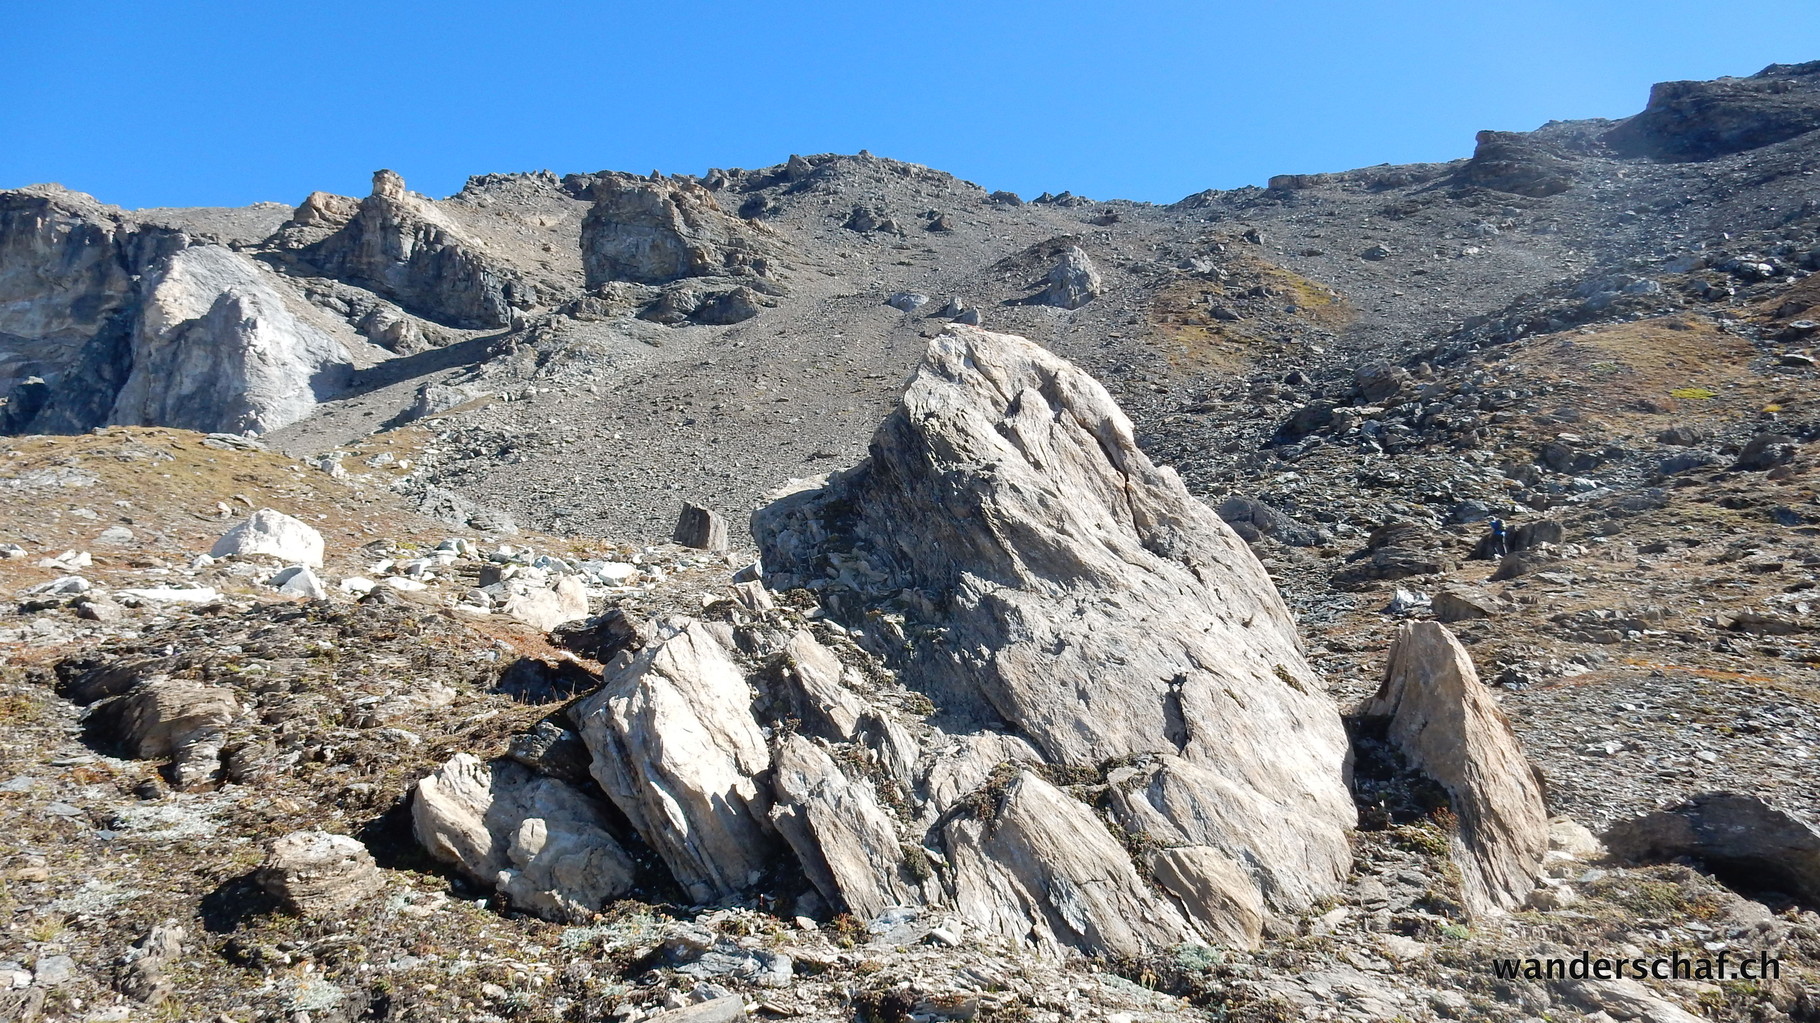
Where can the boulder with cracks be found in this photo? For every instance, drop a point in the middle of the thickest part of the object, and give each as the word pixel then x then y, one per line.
pixel 1450 728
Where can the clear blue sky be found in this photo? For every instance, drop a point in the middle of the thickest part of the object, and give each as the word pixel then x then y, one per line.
pixel 174 103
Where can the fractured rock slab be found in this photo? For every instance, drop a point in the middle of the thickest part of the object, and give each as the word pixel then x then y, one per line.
pixel 543 843
pixel 1450 728
pixel 677 749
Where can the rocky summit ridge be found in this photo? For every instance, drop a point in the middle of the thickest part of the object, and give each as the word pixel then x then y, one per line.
pixel 1281 604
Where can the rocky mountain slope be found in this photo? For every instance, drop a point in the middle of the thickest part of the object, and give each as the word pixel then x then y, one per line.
pixel 1011 720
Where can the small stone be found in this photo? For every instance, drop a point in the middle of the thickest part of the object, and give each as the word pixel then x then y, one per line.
pixel 99 609
pixel 52 971
pixel 299 581
pixel 701 528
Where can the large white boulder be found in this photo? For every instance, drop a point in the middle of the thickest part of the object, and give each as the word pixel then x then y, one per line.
pixel 274 534
pixel 217 349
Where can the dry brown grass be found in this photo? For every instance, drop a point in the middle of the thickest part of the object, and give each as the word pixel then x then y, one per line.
pixel 1194 341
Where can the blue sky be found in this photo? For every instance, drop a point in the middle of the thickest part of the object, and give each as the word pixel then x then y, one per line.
pixel 157 104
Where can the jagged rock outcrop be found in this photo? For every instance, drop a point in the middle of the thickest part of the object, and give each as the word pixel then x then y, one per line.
pixel 1049 606
pixel 1508 161
pixel 1450 728
pixel 216 349
pixel 1701 120
pixel 1073 282
pixel 104 320
pixel 677 749
pixel 654 231
pixel 400 246
pixel 543 843
pixel 1084 601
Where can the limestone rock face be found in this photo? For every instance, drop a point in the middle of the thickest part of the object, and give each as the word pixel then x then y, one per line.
pixel 677 749
pixel 656 231
pixel 1073 282
pixel 1086 603
pixel 317 874
pixel 216 349
pixel 541 842
pixel 1701 120
pixel 273 534
pixel 1450 728
pixel 104 320
pixel 67 306
pixel 401 247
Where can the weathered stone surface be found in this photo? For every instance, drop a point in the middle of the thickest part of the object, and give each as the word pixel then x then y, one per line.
pixel 105 320
pixel 1176 802
pixel 273 534
pixel 1766 451
pixel 541 842
pixel 1460 603
pixel 317 874
pixel 1382 383
pixel 1450 728
pixel 847 843
pixel 174 718
pixel 144 973
pixel 1088 603
pixel 400 246
pixel 1396 550
pixel 604 636
pixel 812 676
pixel 676 748
pixel 1213 891
pixel 552 748
pixel 1754 844
pixel 299 581
pixel 1042 868
pixel 544 608
pixel 656 231
pixel 1073 282
pixel 960 768
pixel 687 302
pixel 67 305
pixel 726 1009
pixel 701 528
pixel 216 349
pixel 1508 161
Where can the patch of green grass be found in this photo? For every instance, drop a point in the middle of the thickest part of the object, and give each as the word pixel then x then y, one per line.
pixel 1695 393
